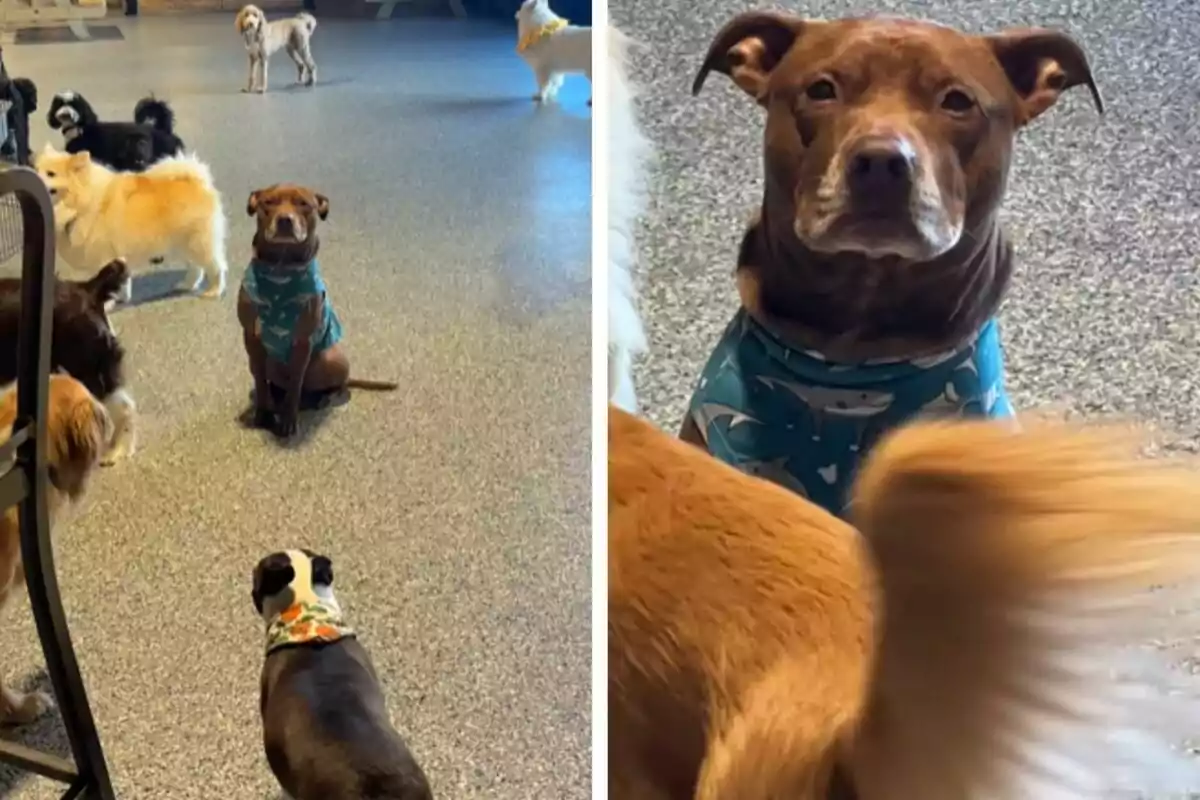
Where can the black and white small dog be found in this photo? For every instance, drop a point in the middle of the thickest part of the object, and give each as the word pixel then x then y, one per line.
pixel 325 722
pixel 123 146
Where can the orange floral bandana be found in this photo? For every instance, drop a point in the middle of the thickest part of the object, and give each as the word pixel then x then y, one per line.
pixel 306 623
pixel 537 34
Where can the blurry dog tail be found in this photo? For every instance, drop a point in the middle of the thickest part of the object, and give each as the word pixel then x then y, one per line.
pixel 372 386
pixel 28 91
pixel 308 21
pixel 106 284
pixel 155 113
pixel 1024 575
pixel 629 156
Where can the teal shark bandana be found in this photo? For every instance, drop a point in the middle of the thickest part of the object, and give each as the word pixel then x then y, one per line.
pixel 281 293
pixel 794 418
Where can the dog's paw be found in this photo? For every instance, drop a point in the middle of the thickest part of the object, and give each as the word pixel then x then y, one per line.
pixel 247 90
pixel 214 292
pixel 117 453
pixel 538 97
pixel 264 418
pixel 286 425
pixel 24 708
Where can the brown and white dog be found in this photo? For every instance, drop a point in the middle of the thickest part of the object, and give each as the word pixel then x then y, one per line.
pixel 263 39
pixel 325 721
pixel 871 279
pixel 84 346
pixel 290 330
pixel 978 630
pixel 77 433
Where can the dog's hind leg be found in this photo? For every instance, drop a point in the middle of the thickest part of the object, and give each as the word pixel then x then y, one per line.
pixel 310 62
pixel 206 250
pixel 123 412
pixel 16 708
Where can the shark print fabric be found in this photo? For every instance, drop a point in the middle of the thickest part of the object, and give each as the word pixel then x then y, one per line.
pixel 281 294
pixel 805 423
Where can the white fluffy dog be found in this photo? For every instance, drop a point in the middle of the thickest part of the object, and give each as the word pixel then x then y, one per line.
pixel 552 47
pixel 629 154
pixel 172 209
pixel 263 39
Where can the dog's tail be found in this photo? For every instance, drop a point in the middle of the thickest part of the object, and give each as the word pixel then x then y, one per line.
pixel 308 21
pixel 28 91
pixel 106 284
pixel 155 113
pixel 372 386
pixel 1025 576
pixel 628 158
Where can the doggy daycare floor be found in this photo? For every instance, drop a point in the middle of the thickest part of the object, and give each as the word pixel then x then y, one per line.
pixel 1103 316
pixel 456 509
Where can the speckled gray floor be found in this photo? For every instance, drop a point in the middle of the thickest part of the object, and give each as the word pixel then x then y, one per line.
pixel 1105 211
pixel 456 509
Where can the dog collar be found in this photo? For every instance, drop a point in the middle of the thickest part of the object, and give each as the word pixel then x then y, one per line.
pixel 537 34
pixel 306 623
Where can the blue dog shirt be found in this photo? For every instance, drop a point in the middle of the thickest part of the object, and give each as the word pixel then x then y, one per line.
pixel 803 422
pixel 281 294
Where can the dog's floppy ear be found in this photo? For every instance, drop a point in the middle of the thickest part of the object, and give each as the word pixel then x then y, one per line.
pixel 322 205
pixel 749 47
pixel 322 568
pixel 252 203
pixel 271 576
pixel 1042 64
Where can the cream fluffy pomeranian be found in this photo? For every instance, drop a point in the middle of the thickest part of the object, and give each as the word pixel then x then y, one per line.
pixel 629 154
pixel 172 209
pixel 552 47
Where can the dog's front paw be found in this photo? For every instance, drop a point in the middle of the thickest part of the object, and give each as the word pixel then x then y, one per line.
pixel 286 424
pixel 247 90
pixel 214 292
pixel 22 709
pixel 264 419
pixel 119 451
pixel 538 97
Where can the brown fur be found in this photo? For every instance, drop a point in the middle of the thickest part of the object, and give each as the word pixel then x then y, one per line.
pixel 890 73
pixel 760 647
pixel 78 430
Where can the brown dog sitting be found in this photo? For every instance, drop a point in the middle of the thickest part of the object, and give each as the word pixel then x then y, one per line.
pixel 871 279
pixel 291 332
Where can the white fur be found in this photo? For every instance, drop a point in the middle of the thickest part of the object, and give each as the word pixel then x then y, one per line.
pixel 95 226
pixel 122 411
pixel 263 39
pixel 566 51
pixel 629 153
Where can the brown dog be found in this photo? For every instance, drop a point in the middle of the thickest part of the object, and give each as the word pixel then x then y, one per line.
pixel 291 333
pixel 967 638
pixel 871 279
pixel 77 433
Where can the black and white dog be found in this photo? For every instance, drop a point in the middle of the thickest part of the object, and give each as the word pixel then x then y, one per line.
pixel 325 722
pixel 123 146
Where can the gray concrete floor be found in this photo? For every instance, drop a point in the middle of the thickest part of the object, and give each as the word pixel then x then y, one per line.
pixel 1104 314
pixel 456 510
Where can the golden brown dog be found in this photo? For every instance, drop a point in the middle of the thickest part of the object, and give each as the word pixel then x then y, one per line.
pixel 291 333
pixel 887 151
pixel 955 643
pixel 78 430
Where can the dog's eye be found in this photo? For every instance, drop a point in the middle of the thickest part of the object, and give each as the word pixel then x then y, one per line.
pixel 957 101
pixel 822 89
pixel 49 174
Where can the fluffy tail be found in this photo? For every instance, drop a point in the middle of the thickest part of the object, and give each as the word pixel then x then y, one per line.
pixel 28 91
pixel 308 21
pixel 1026 578
pixel 372 386
pixel 629 153
pixel 155 113
pixel 106 284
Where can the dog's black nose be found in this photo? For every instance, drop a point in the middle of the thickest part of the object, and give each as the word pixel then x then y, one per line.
pixel 284 226
pixel 881 167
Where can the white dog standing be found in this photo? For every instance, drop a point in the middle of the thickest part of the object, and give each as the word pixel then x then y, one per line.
pixel 552 47
pixel 263 39
pixel 629 154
